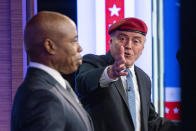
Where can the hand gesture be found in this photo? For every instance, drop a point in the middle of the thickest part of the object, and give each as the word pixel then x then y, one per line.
pixel 117 69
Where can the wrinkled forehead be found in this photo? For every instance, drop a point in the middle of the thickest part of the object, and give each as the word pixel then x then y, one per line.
pixel 128 34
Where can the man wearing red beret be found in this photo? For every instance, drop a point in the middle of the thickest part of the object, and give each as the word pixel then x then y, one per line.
pixel 115 92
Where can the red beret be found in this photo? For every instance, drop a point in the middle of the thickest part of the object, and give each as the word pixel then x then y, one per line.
pixel 129 24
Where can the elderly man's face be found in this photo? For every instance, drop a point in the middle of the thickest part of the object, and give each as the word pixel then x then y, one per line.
pixel 69 50
pixel 132 42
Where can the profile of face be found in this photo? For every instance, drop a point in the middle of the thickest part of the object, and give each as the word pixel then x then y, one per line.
pixel 68 49
pixel 51 39
pixel 132 42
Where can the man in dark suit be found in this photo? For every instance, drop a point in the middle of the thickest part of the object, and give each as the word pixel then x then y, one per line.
pixel 115 92
pixel 45 101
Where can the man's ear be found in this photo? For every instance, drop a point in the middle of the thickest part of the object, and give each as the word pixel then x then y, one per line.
pixel 50 46
pixel 110 41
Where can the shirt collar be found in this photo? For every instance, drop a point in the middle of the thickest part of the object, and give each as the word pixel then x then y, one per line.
pixel 55 74
pixel 132 69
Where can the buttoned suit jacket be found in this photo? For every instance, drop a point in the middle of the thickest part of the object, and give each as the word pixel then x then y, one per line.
pixel 108 106
pixel 42 104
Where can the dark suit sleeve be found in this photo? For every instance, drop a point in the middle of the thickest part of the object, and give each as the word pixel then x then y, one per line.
pixel 157 123
pixel 88 77
pixel 42 112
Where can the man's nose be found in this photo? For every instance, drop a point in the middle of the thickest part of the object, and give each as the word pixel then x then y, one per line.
pixel 129 44
pixel 79 48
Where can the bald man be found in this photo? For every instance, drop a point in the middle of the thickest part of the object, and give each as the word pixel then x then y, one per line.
pixel 45 101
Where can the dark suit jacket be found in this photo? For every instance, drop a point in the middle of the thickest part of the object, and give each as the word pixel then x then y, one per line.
pixel 42 104
pixel 108 106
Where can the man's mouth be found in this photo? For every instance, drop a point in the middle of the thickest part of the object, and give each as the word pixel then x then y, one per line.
pixel 127 54
pixel 80 60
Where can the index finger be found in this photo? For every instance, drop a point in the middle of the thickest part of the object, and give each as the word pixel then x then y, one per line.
pixel 122 50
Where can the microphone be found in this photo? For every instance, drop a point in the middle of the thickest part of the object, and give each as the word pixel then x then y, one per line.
pixel 128 89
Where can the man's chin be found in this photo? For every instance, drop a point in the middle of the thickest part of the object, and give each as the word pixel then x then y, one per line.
pixel 72 68
pixel 129 64
pixel 67 72
pixel 79 62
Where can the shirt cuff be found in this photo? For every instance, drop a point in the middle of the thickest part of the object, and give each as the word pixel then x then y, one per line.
pixel 105 80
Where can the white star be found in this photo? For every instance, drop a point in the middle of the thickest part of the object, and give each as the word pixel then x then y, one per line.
pixel 166 110
pixel 114 10
pixel 176 110
pixel 113 23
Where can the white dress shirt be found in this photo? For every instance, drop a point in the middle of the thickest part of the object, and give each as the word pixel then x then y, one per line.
pixel 55 74
pixel 105 80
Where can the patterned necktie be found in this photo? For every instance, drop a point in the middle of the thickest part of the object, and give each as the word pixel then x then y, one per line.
pixel 131 96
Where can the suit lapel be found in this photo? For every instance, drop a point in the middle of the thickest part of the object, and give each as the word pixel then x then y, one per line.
pixel 121 91
pixel 123 94
pixel 142 91
pixel 72 100
pixel 143 99
pixel 38 73
pixel 118 84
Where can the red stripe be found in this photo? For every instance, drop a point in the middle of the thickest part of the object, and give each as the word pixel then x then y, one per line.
pixel 173 110
pixel 111 19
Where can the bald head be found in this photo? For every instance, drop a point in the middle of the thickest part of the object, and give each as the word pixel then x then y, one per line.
pixel 45 25
pixel 51 39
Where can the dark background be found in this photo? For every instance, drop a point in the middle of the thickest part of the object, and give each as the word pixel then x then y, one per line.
pixel 187 58
pixel 67 7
